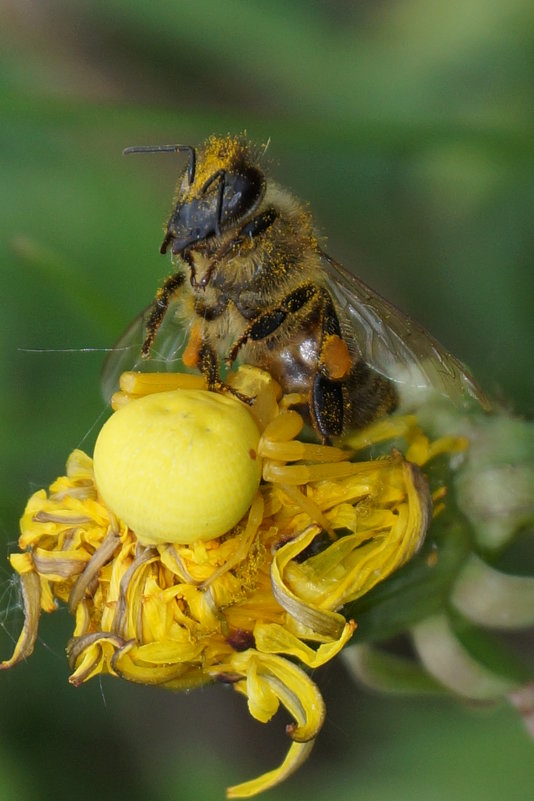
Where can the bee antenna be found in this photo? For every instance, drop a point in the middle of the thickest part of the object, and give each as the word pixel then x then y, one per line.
pixel 168 149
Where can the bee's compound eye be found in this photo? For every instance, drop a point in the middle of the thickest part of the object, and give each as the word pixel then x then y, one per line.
pixel 242 193
pixel 234 201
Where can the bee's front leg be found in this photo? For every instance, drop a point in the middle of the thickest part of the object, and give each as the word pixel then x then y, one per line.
pixel 159 308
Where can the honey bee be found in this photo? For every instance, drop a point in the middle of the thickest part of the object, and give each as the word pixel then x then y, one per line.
pixel 252 283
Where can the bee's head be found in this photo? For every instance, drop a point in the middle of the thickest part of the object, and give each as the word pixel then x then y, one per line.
pixel 220 189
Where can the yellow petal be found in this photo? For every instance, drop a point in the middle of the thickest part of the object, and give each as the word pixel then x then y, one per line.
pixel 166 652
pixel 320 622
pixel 275 639
pixel 295 690
pixel 127 664
pixel 296 756
pixel 263 702
pixel 31 596
pixel 92 654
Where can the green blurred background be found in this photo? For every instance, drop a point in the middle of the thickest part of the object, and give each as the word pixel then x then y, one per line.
pixel 408 126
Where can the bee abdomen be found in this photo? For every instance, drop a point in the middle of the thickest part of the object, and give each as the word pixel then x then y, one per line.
pixel 370 396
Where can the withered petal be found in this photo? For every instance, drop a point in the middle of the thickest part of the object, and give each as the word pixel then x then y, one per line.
pixel 31 596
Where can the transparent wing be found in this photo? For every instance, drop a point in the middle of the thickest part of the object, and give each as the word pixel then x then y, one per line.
pixel 165 354
pixel 396 346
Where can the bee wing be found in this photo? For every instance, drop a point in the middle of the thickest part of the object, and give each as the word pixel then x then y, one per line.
pixel 395 345
pixel 165 353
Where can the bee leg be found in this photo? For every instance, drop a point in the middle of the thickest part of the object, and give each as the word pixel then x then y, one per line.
pixel 327 407
pixel 267 323
pixel 328 394
pixel 159 309
pixel 208 365
pixel 334 360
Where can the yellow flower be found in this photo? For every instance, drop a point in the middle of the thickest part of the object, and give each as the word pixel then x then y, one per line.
pixel 231 580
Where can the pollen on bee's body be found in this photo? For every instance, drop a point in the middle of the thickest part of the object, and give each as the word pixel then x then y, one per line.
pixel 336 356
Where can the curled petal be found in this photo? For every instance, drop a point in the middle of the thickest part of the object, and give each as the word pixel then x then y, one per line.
pixel 422 450
pixel 293 688
pixel 127 664
pixel 31 597
pixel 271 680
pixel 83 619
pixel 275 639
pixel 79 466
pixel 91 654
pixel 263 701
pixel 382 542
pixel 296 756
pixel 125 619
pixel 168 652
pixel 96 562
pixel 59 565
pixel 320 622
